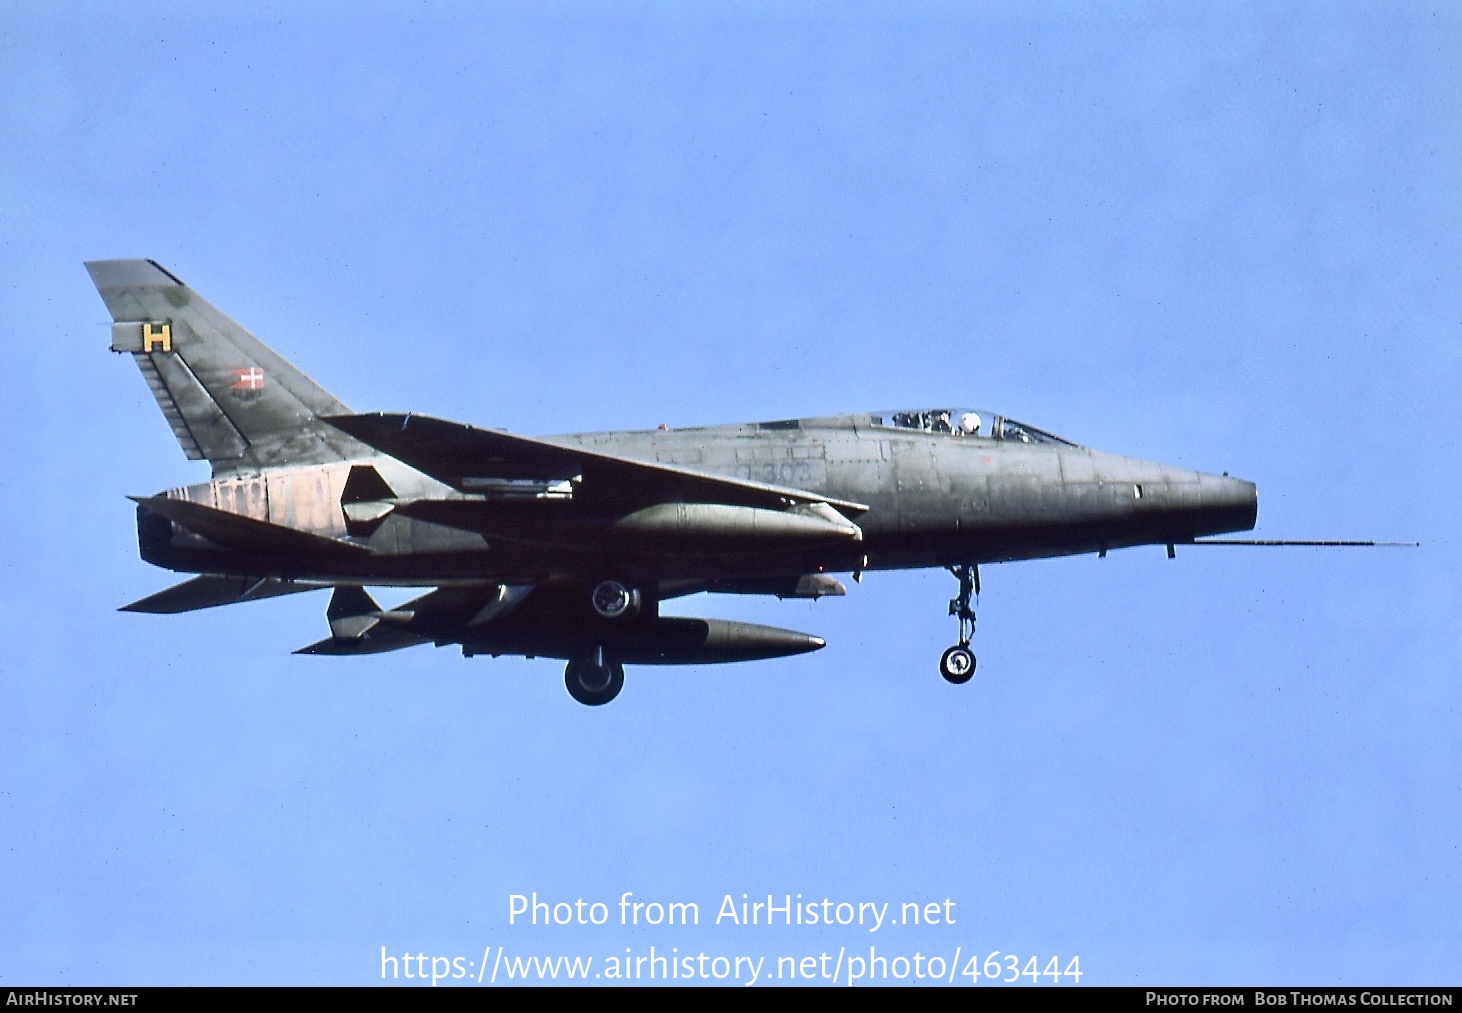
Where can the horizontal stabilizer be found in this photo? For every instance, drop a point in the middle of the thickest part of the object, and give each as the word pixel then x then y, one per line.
pixel 479 460
pixel 210 591
pixel 236 531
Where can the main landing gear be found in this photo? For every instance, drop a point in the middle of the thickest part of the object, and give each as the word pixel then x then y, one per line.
pixel 594 680
pixel 958 663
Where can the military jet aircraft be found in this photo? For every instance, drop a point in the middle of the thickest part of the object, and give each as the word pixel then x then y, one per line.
pixel 566 546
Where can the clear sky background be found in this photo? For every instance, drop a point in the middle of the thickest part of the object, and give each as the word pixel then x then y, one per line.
pixel 1220 236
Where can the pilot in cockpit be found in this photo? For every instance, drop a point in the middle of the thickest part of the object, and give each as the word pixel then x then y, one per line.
pixel 969 424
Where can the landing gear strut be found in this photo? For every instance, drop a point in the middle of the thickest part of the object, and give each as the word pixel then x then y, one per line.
pixel 594 680
pixel 958 663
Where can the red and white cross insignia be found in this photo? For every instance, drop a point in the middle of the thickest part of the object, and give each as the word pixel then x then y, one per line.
pixel 248 379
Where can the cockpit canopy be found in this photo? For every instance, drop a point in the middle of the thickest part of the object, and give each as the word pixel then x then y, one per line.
pixel 969 423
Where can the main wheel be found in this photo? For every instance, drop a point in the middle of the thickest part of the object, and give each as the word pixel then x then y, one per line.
pixel 592 684
pixel 957 665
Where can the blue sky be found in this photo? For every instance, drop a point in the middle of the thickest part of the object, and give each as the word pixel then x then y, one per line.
pixel 1219 236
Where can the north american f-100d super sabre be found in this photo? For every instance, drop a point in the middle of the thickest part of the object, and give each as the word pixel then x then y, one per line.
pixel 566 546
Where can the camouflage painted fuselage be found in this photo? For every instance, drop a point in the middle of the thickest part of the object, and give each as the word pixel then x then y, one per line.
pixel 933 499
pixel 565 547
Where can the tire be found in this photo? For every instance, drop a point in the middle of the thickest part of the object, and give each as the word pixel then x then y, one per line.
pixel 957 665
pixel 593 685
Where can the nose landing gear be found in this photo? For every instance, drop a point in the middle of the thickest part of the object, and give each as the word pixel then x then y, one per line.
pixel 957 665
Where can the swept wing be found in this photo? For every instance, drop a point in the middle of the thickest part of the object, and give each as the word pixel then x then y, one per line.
pixel 477 460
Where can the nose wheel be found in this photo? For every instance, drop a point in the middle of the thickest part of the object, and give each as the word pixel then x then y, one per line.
pixel 957 665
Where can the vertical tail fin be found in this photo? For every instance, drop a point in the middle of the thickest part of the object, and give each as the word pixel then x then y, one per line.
pixel 228 397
